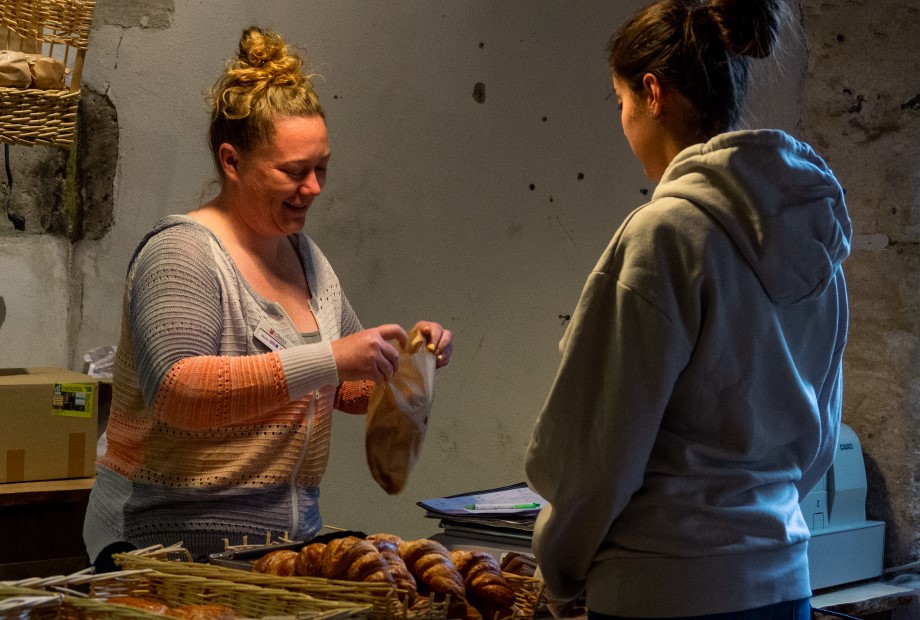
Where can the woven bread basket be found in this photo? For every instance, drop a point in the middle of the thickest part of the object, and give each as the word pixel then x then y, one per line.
pixel 385 601
pixel 57 29
pixel 84 596
pixel 39 604
pixel 382 598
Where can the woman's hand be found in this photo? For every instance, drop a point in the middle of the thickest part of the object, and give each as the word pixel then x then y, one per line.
pixel 440 341
pixel 366 355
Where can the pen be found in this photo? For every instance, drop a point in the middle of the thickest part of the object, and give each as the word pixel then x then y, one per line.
pixel 502 506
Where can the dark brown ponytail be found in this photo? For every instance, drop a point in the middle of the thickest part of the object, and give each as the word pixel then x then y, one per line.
pixel 700 48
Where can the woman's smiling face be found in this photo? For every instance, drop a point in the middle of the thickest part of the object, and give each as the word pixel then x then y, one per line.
pixel 279 179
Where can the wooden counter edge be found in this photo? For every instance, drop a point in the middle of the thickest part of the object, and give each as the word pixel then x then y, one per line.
pixel 70 490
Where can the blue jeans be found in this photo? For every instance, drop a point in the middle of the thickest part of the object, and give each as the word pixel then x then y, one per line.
pixel 790 610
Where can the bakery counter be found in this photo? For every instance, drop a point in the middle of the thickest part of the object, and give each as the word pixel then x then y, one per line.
pixel 42 527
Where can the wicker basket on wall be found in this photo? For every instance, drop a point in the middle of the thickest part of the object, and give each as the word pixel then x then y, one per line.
pixel 57 29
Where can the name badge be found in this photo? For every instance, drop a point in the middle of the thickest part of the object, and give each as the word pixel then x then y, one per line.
pixel 269 336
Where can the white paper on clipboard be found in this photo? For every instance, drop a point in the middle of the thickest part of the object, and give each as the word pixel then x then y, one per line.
pixel 455 505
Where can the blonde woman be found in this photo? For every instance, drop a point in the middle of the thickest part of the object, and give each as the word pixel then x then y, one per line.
pixel 237 340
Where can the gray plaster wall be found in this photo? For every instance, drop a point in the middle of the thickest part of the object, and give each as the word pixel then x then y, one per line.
pixel 478 171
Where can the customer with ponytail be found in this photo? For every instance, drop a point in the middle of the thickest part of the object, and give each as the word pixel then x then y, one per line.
pixel 699 394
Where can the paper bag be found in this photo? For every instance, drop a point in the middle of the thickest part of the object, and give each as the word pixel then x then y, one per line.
pixel 14 69
pixel 47 73
pixel 397 416
pixel 21 70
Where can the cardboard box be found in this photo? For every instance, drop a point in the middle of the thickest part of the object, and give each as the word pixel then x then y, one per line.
pixel 48 422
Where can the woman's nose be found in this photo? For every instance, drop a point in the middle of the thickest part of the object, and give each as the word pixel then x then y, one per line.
pixel 310 185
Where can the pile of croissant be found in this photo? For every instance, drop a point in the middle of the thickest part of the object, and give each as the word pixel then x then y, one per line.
pixel 423 568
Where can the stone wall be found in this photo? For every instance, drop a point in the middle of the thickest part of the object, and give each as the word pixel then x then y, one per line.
pixel 862 111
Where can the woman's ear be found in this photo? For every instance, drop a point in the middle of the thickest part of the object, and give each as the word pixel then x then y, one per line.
pixel 229 160
pixel 653 92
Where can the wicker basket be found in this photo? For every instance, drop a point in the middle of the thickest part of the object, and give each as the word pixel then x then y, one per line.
pixel 84 596
pixel 382 598
pixel 527 590
pixel 528 594
pixel 57 29
pixel 37 603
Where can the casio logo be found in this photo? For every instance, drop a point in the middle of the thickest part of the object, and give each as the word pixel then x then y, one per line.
pixel 846 446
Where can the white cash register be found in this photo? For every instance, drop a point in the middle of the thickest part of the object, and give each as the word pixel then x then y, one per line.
pixel 844 546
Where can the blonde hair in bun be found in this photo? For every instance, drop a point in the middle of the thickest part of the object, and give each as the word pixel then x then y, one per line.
pixel 265 81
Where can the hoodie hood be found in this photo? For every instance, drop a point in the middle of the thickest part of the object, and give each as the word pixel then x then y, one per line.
pixel 777 200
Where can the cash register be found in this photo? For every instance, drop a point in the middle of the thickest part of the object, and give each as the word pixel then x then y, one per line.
pixel 844 546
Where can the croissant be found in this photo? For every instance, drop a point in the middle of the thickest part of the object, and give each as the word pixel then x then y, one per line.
pixel 279 563
pixel 390 552
pixel 483 577
pixel 309 561
pixel 354 559
pixel 393 538
pixel 429 561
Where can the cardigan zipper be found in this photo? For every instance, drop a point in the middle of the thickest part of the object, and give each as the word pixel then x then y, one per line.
pixel 295 509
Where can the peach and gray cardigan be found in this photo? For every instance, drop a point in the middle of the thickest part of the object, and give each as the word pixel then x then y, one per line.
pixel 214 434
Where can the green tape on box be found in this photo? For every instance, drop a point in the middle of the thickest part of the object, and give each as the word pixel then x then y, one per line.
pixel 74 400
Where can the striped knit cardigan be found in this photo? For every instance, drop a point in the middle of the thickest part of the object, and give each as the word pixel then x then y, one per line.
pixel 213 435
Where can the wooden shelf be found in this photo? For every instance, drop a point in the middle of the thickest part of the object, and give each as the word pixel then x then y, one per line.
pixel 73 490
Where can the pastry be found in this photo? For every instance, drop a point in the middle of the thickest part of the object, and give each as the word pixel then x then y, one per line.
pixel 429 562
pixel 401 575
pixel 354 559
pixel 280 563
pixel 310 560
pixel 393 538
pixel 483 577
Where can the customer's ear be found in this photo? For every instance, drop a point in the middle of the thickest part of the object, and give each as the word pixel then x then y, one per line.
pixel 653 93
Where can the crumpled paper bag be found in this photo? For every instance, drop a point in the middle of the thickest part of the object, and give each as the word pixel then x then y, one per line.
pixel 397 416
pixel 22 70
pixel 14 69
pixel 47 73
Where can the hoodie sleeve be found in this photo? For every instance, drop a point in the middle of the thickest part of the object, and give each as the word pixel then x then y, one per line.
pixel 621 356
pixel 830 403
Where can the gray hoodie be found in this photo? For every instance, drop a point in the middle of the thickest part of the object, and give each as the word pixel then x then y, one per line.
pixel 699 391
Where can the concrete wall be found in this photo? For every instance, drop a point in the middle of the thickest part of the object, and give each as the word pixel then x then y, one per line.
pixel 478 171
